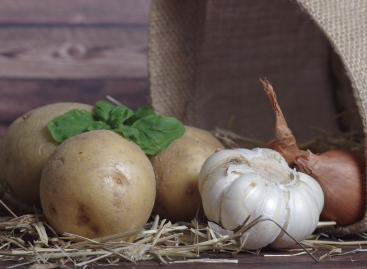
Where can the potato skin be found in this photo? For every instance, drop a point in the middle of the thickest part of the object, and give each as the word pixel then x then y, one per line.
pixel 177 171
pixel 25 148
pixel 97 184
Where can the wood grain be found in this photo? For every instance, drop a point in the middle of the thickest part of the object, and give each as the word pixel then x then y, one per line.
pixel 21 96
pixel 73 52
pixel 71 12
pixel 250 261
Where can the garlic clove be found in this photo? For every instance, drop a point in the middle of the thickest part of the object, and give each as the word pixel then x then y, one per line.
pixel 302 220
pixel 314 188
pixel 263 233
pixel 234 209
pixel 214 179
pixel 256 194
pixel 214 194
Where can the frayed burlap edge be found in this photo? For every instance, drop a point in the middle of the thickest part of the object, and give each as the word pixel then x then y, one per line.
pixel 343 24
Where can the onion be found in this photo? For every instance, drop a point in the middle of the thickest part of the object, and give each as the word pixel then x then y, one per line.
pixel 339 172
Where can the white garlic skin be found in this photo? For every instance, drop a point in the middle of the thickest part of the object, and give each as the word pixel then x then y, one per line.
pixel 238 183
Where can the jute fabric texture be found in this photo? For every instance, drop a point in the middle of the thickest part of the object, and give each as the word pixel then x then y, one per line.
pixel 206 57
pixel 344 23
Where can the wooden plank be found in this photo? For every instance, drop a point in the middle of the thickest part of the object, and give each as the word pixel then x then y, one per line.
pixel 73 52
pixel 74 12
pixel 21 96
pixel 249 261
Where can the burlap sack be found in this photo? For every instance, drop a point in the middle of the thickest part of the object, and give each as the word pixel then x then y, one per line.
pixel 344 24
pixel 206 57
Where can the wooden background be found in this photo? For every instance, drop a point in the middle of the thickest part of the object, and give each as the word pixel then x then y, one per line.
pixel 71 51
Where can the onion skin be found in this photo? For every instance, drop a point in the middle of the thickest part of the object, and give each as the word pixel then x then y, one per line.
pixel 286 146
pixel 285 142
pixel 340 174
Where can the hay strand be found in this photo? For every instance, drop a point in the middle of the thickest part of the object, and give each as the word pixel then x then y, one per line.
pixel 159 239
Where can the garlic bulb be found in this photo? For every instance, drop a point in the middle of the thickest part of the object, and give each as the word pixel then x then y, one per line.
pixel 238 183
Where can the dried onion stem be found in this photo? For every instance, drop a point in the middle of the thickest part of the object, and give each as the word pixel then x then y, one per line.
pixel 285 142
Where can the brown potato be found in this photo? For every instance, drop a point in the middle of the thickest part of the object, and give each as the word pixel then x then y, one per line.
pixel 25 148
pixel 97 184
pixel 177 171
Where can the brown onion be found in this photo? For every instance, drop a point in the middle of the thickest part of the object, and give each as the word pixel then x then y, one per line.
pixel 340 174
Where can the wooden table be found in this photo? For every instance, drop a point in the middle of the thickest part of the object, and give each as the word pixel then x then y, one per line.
pixel 251 261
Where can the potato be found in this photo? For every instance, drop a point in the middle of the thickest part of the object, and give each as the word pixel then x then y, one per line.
pixel 97 184
pixel 25 148
pixel 177 171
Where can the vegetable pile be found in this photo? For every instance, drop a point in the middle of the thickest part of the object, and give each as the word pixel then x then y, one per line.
pixel 97 180
pixel 99 173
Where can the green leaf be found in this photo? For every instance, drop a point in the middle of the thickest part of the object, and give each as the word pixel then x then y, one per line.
pixel 157 132
pixel 140 112
pixel 119 114
pixel 73 122
pixel 102 110
pixel 98 125
pixel 130 133
pixel 151 132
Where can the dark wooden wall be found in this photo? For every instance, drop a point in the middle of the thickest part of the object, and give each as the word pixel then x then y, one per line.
pixel 71 51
